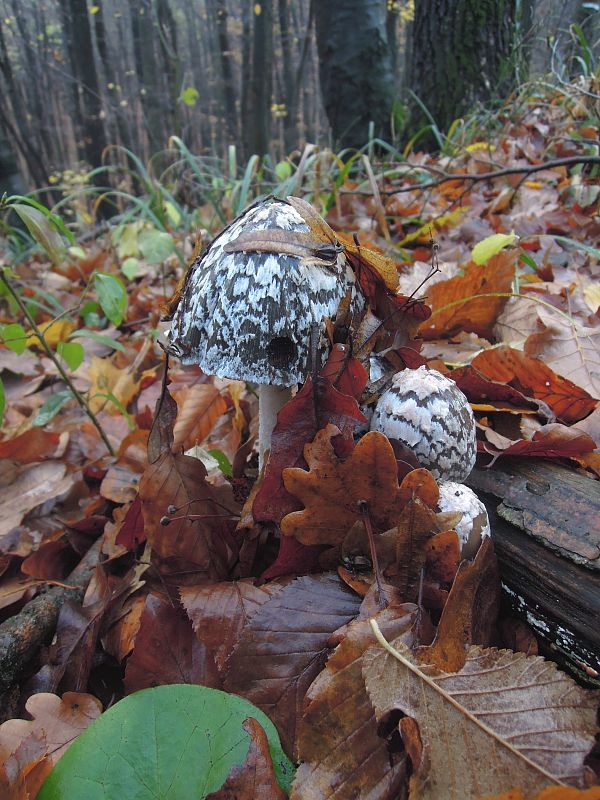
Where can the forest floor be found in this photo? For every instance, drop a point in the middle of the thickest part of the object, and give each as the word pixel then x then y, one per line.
pixel 143 567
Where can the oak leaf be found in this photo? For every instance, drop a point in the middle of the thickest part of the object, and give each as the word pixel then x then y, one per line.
pixel 504 719
pixel 332 490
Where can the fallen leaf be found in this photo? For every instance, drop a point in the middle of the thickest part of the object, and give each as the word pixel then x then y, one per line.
pixel 569 348
pixel 504 719
pixel 551 793
pixel 131 530
pixel 284 646
pixel 199 407
pixel 470 613
pixel 467 302
pixel 342 755
pixel 52 561
pixel 108 380
pixel 255 778
pixel 532 377
pixel 196 550
pixel 220 611
pixel 160 439
pixel 34 485
pixel 550 441
pixel 416 526
pixel 41 741
pixel 166 650
pixel 36 444
pixel 332 489
pixel 297 424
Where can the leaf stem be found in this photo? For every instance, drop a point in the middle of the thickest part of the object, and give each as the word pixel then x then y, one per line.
pixel 77 395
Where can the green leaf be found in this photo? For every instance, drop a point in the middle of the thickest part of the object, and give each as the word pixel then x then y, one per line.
pixel 491 246
pixel 76 251
pixel 51 408
pixel 2 401
pixel 130 267
pixel 112 297
pixel 223 462
pixel 72 353
pixel 83 333
pixel 190 96
pixel 125 239
pixel 156 246
pixel 14 337
pixel 173 213
pixel 43 230
pixel 527 259
pixel 283 170
pixel 166 743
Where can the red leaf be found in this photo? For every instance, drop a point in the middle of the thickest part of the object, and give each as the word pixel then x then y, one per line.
pixel 132 530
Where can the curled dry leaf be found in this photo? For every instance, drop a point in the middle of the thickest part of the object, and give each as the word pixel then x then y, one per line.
pixel 284 645
pixel 29 748
pixel 332 489
pixel 531 376
pixel 198 550
pixel 467 302
pixel 255 778
pixel 503 720
pixel 549 441
pixel 343 756
pixel 167 651
pixel 470 612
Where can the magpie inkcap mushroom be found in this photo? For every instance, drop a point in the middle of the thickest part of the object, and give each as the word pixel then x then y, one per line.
pixel 429 415
pixel 251 304
pixel 474 524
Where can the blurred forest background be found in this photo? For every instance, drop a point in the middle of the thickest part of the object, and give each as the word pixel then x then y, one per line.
pixel 81 82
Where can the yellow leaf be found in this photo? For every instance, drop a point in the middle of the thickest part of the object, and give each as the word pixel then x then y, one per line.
pixel 591 294
pixel 257 9
pixel 94 9
pixel 472 148
pixel 54 332
pixel 110 380
pixel 533 184
pixel 423 233
pixel 491 246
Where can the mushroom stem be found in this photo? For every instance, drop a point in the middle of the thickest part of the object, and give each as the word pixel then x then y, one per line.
pixel 270 400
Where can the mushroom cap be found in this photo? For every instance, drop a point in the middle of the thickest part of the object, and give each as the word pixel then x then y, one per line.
pixel 474 524
pixel 250 315
pixel 430 416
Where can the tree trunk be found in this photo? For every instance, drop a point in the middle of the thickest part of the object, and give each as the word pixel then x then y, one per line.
pixel 354 68
pixel 225 56
pixel 262 79
pixel 290 126
pixel 461 55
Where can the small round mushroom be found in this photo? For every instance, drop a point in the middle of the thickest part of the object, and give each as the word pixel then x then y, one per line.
pixel 474 524
pixel 252 303
pixel 430 416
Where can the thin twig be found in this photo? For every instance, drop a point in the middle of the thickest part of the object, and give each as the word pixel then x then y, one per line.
pixel 76 394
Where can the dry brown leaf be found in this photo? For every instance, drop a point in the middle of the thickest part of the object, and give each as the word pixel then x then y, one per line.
pixel 197 550
pixel 34 485
pixel 220 611
pixel 569 348
pixel 29 748
pixel 551 793
pixel 531 376
pixel 199 407
pixel 477 314
pixel 342 755
pixel 416 526
pixel 255 778
pixel 332 489
pixel 284 645
pixel 110 380
pixel 504 720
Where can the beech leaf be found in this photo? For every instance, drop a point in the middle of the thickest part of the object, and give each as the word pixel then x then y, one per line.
pixel 503 720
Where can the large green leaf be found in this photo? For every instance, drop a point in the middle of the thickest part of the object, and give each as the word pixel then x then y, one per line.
pixel 167 743
pixel 156 246
pixel 112 297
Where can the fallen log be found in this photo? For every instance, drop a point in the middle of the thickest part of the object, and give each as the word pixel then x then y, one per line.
pixel 545 522
pixel 22 636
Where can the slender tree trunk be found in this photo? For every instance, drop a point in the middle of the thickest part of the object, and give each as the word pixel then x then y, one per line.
pixel 225 56
pixel 461 55
pixel 355 68
pixel 262 80
pixel 290 126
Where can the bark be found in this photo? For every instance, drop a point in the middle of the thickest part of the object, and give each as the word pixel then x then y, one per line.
pixel 544 526
pixel 290 127
pixel 461 56
pixel 354 68
pixel 225 57
pixel 262 79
